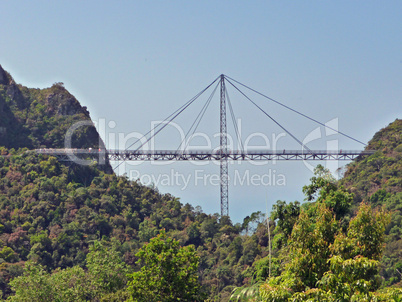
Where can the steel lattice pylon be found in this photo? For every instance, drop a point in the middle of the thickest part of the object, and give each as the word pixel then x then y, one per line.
pixel 224 150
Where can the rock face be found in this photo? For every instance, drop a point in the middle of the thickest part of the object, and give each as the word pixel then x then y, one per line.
pixel 39 118
pixel 3 76
pixel 61 103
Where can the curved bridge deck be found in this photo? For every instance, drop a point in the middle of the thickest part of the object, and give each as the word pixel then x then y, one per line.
pixel 195 155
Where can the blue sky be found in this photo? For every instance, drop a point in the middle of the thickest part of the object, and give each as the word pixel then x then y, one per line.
pixel 134 62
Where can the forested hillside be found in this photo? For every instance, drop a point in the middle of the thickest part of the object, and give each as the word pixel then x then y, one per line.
pixel 343 243
pixel 51 213
pixel 380 171
pixel 377 179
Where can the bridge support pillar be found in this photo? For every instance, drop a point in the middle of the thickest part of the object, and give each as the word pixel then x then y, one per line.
pixel 224 176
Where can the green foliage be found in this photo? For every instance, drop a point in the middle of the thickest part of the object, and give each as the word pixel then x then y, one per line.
pixel 324 189
pixel 51 214
pixel 313 295
pixel 349 278
pixel 389 294
pixel 286 214
pixel 378 180
pixel 32 286
pixel 309 246
pixel 250 293
pixel 273 292
pixel 168 272
pixel 8 255
pixel 105 277
pixel 326 264
pixel 323 260
pixel 107 270
pixel 261 268
pixel 366 232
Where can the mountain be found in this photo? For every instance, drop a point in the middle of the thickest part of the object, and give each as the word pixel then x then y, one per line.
pixel 380 171
pixel 39 118
pixel 377 179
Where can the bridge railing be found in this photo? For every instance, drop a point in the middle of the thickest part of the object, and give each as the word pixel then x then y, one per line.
pixel 203 152
pixel 240 152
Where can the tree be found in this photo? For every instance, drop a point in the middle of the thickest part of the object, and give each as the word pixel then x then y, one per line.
pixel 309 247
pixel 105 280
pixel 168 272
pixel 106 270
pixel 32 286
pixel 324 189
pixel 286 214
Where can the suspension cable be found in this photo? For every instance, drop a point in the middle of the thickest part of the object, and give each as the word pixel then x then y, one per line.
pixel 166 121
pixel 283 128
pixel 234 121
pixel 199 117
pixel 291 109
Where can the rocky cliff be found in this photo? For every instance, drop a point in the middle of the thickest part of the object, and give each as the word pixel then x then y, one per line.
pixel 39 118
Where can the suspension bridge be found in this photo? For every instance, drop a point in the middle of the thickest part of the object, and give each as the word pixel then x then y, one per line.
pixel 221 153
